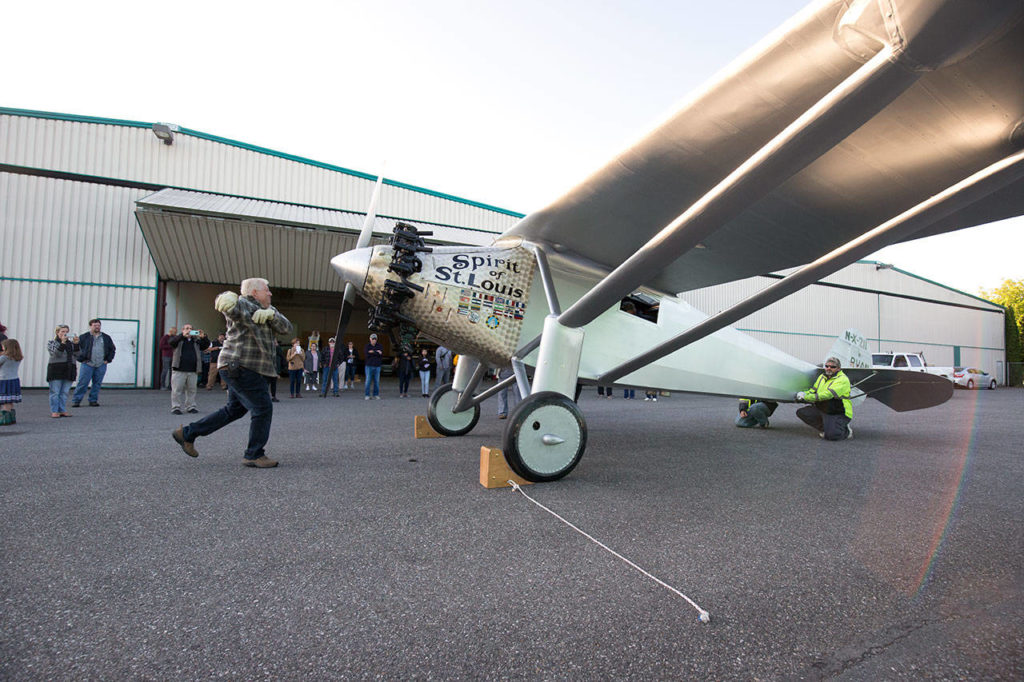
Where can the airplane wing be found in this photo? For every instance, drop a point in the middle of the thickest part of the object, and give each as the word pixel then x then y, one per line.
pixel 900 390
pixel 959 109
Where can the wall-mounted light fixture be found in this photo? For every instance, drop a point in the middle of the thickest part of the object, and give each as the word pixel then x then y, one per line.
pixel 165 131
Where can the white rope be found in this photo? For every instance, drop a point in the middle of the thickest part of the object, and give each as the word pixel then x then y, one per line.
pixel 705 617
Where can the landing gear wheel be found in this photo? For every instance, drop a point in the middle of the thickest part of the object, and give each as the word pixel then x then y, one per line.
pixel 441 417
pixel 545 437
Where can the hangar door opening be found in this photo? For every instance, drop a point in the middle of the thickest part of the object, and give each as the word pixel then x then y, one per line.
pixel 124 370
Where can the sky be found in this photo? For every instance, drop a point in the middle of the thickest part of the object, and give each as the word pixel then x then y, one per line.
pixel 505 103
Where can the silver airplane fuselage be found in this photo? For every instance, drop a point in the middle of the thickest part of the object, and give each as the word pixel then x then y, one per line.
pixel 487 302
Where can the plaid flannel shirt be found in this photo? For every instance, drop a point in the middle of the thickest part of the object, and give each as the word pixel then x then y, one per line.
pixel 253 345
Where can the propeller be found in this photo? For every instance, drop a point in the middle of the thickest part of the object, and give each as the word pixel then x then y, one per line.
pixel 350 291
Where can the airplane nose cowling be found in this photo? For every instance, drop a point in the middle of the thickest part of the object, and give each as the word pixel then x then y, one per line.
pixel 353 266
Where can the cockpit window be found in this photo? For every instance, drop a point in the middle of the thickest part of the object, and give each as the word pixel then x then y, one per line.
pixel 641 305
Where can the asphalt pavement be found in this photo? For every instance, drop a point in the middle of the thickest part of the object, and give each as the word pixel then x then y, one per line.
pixel 369 554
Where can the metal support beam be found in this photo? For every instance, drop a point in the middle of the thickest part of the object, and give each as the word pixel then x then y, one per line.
pixel 522 381
pixel 546 280
pixel 830 120
pixel 472 400
pixel 952 199
pixel 465 400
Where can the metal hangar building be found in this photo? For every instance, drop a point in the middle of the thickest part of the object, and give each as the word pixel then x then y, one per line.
pixel 142 224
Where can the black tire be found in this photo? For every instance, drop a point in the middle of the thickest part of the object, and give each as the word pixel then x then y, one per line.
pixel 992 386
pixel 970 384
pixel 446 422
pixel 539 415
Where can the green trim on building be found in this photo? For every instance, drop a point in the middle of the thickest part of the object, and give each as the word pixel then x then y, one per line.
pixel 901 342
pixel 84 284
pixel 76 118
pixel 925 279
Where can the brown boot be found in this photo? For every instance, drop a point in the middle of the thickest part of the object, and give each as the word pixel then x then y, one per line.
pixel 179 435
pixel 261 462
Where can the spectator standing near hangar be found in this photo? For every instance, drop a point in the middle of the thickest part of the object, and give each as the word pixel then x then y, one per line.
pixel 443 357
pixel 351 360
pixel 10 384
pixel 424 365
pixel 830 411
pixel 374 357
pixel 214 376
pixel 296 362
pixel 185 363
pixel 329 373
pixel 166 353
pixel 507 402
pixel 311 367
pixel 247 361
pixel 95 351
pixel 60 370
pixel 279 366
pixel 405 367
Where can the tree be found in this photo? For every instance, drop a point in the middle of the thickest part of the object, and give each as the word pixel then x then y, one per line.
pixel 1010 295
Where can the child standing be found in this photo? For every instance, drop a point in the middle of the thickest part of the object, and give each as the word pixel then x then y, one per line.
pixel 10 384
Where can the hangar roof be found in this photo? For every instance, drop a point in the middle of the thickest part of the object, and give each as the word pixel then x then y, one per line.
pixel 202 237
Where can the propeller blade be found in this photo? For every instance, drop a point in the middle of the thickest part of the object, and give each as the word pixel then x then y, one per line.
pixel 347 302
pixel 371 215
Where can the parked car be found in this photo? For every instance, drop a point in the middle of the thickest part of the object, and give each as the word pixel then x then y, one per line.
pixel 971 378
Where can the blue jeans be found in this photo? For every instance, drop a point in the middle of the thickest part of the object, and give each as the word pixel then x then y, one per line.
pixel 373 378
pixel 425 381
pixel 327 376
pixel 59 395
pixel 834 426
pixel 87 373
pixel 295 381
pixel 757 415
pixel 248 392
pixel 350 372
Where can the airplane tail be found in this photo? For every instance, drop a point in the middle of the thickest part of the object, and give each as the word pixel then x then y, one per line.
pixel 899 390
pixel 852 350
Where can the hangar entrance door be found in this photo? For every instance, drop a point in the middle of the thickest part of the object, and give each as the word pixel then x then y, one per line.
pixel 123 371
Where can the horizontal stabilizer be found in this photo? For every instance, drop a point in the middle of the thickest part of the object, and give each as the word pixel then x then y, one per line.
pixel 901 390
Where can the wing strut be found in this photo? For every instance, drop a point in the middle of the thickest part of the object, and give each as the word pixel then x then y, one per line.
pixel 954 198
pixel 826 123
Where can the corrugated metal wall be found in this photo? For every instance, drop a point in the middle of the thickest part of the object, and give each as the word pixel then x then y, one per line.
pixel 66 231
pixel 134 153
pixel 806 323
pixel 71 251
pixel 31 310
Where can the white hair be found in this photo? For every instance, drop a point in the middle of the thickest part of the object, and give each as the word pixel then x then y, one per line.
pixel 834 360
pixel 253 284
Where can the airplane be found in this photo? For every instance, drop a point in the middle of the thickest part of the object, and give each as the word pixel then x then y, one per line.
pixel 855 125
